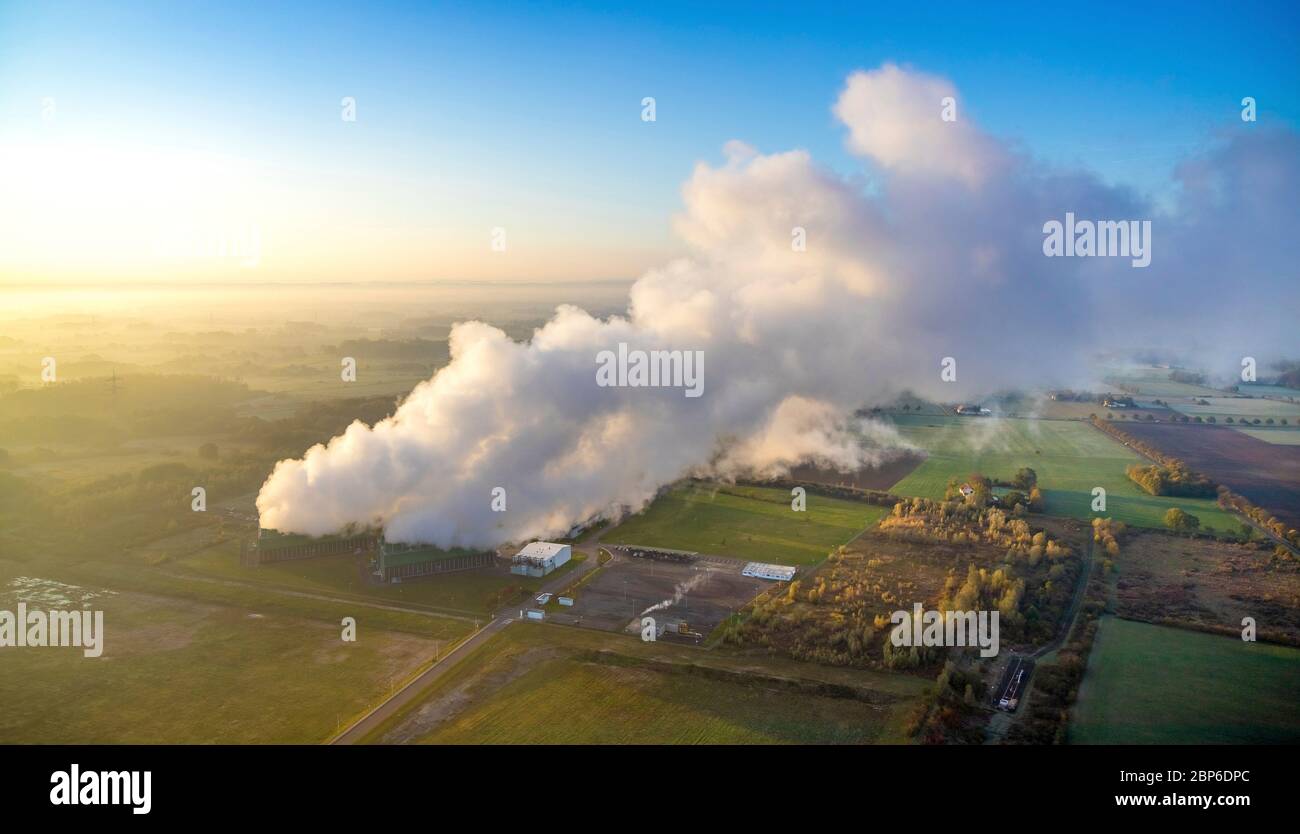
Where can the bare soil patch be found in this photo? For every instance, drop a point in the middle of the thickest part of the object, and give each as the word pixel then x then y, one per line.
pixel 702 594
pixel 1208 585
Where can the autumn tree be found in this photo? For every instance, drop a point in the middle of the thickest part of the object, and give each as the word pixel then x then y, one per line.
pixel 1176 519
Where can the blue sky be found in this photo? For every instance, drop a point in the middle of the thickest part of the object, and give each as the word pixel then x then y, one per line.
pixel 527 116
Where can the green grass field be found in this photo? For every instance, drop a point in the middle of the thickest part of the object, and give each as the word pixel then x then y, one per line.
pixel 747 523
pixel 538 685
pixel 178 671
pixel 466 593
pixel 1149 684
pixel 1070 457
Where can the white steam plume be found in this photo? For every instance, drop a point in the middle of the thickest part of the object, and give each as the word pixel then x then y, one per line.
pixel 941 257
pixel 680 590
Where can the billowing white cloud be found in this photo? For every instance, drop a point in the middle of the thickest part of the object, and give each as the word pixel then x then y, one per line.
pixel 808 431
pixel 940 257
pixel 894 118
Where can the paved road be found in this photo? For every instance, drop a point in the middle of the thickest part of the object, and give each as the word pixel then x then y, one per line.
pixel 1001 721
pixel 417 687
pixel 1014 682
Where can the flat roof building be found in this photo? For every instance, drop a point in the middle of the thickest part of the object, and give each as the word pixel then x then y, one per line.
pixel 540 558
pixel 760 570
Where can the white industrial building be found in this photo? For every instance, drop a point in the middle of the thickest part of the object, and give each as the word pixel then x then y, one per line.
pixel 759 570
pixel 540 558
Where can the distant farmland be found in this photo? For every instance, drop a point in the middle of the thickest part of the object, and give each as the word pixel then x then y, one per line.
pixel 1149 684
pixel 748 523
pixel 1239 408
pixel 1157 382
pixel 1266 473
pixel 1070 457
pixel 1273 434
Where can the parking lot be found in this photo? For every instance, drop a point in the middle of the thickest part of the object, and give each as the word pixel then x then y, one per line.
pixel 702 592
